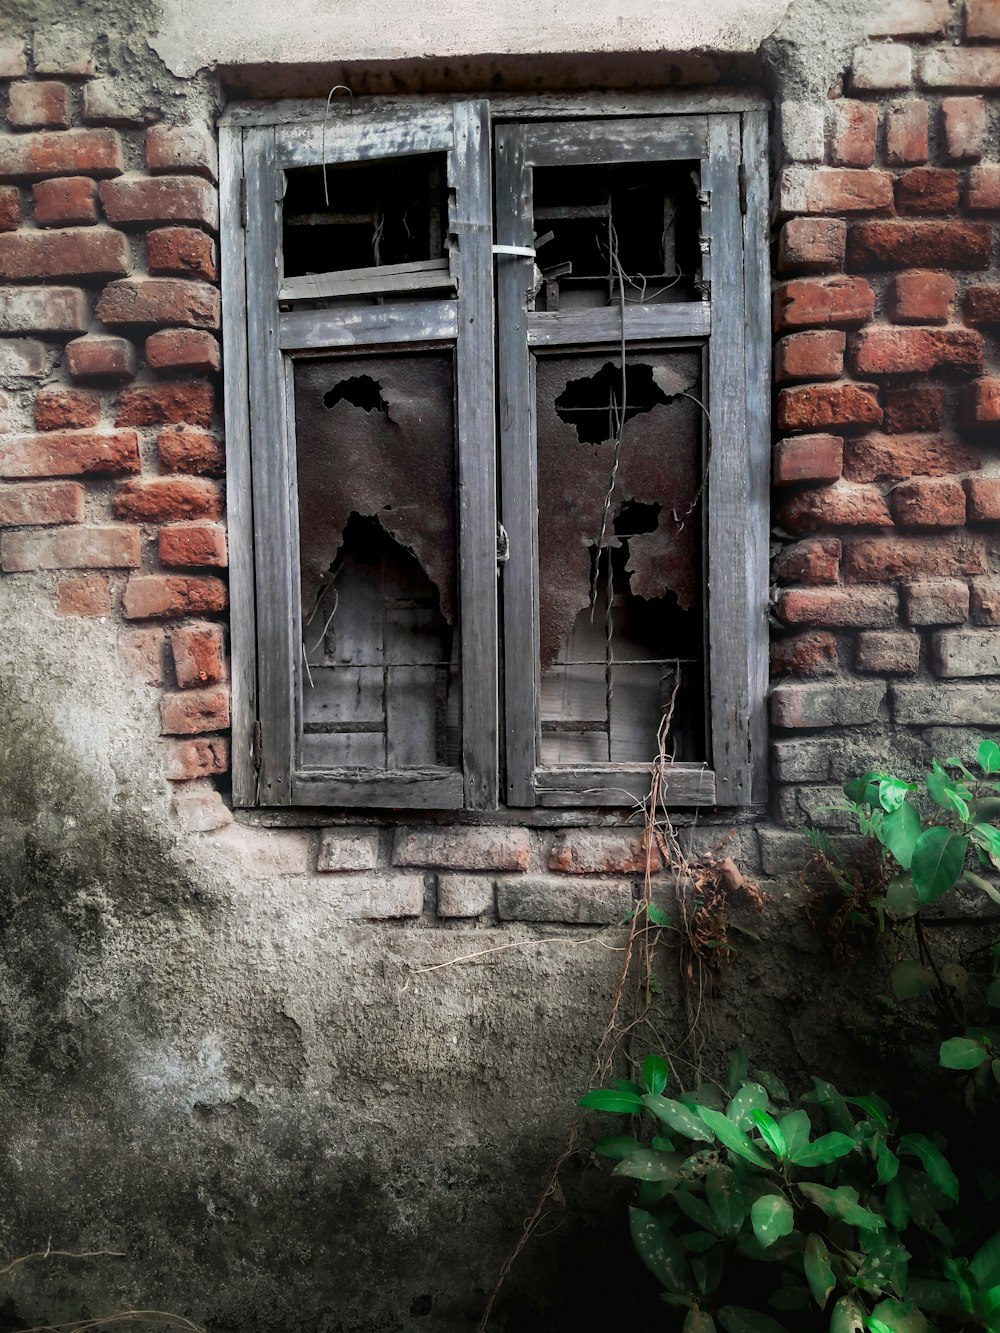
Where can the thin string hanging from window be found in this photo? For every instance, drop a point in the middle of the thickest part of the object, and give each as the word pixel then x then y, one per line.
pixel 337 88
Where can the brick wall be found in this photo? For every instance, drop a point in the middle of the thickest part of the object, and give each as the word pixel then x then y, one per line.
pixel 887 407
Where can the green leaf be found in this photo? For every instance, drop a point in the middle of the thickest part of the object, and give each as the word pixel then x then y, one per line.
pixel 842 1203
pixel 962 1053
pixel 736 1319
pixel 732 1137
pixel 795 1128
pixel 696 1208
pixel 985 1263
pixel 727 1199
pixel 827 1148
pixel 875 1325
pixel 737 1071
pixel 834 1107
pixel 993 993
pixel 818 1269
pixel 750 1097
pixel 899 1317
pixel 707 1269
pixel 847 1316
pixel 939 1173
pixel 620 1103
pixel 937 862
pixel 863 790
pixel 910 979
pixel 616 1146
pixel 897 1205
pixel 654 1073
pixel 947 793
pixel 987 837
pixel 772 1217
pixel 875 1108
pixel 902 899
pixel 892 794
pixel 645 1164
pixel 901 830
pixel 626 1085
pixel 988 756
pixel 659 1251
pixel 678 1116
pixel 657 916
pixel 776 1090
pixel 770 1132
pixel 698 1321
pixel 698 1242
pixel 886 1162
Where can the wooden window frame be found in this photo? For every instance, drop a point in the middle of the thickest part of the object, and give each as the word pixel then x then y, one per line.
pixel 731 324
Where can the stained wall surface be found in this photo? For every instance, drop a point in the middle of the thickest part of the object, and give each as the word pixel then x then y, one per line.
pixel 246 1057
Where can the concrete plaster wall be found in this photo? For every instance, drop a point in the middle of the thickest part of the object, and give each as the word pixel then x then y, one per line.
pixel 208 1062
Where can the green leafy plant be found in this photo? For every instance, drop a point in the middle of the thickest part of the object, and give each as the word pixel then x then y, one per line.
pixel 820 1211
pixel 932 836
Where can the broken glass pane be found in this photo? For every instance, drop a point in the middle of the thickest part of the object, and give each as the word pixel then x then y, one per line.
pixel 376 492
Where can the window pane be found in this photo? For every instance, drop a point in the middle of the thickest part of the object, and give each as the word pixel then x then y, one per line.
pixel 620 555
pixel 376 490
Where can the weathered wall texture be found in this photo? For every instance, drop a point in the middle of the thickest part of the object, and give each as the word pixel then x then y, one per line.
pixel 214 1052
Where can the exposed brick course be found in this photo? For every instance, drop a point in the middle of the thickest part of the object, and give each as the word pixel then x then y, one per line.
pixel 888 652
pixel 816 560
pixel 812 245
pixel 69 453
pixel 190 545
pixel 901 243
pixel 199 656
pixel 187 403
pixel 929 503
pixel 811 654
pixel 167 499
pixel 101 358
pixel 927 190
pixel 60 153
pixel 75 547
pixel 192 711
pixel 168 596
pixel 878 559
pixel 86 595
pixel 182 449
pixel 153 301
pixel 841 608
pixel 49 502
pixel 965 122
pixel 67 201
pixel 32 106
pixel 182 252
pixel 921 297
pixel 159 201
pixel 936 602
pixel 183 351
pixel 906 132
pixel 882 350
pixel 808 458
pixel 819 407
pixel 66 409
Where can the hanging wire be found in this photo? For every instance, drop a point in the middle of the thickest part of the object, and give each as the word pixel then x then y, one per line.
pixel 337 88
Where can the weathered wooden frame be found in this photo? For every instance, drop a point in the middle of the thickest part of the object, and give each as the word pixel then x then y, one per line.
pixel 267 704
pixel 731 322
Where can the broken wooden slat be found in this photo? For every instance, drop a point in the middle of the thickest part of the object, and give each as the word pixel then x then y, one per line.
pixel 423 275
pixel 585 143
pixel 412 788
pixel 394 133
pixel 685 319
pixel 623 784
pixel 368 326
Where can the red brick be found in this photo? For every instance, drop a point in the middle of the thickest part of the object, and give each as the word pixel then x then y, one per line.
pixel 878 559
pixel 965 122
pixel 13 58
pixel 813 561
pixel 11 213
pixel 184 403
pixel 921 297
pixel 854 136
pixel 194 710
pixel 167 499
pixel 76 252
pixel 982 191
pixel 982 305
pixel 167 596
pixel 981 406
pixel 66 409
pixel 142 652
pixel 840 506
pixel 984 498
pixel 141 201
pixel 43 310
pixel 806 302
pixel 936 602
pixel 881 68
pixel 818 406
pixel 50 502
pixel 68 201
pixel 185 450
pixel 895 653
pixel 172 351
pixel 183 252
pixel 927 190
pixel 894 244
pixel 38 106
pixel 982 19
pixel 583 852
pixel 877 457
pixel 202 758
pixel 908 18
pixel 60 153
pixel 906 132
pixel 838 607
pixel 71 548
pixel 830 704
pixel 937 503
pixel 69 453
pixel 985 601
pixel 189 545
pixel 895 351
pixel 810 654
pixel 833 190
pixel 160 301
pixel 100 358
pixel 182 148
pixel 110 102
pixel 917 407
pixel 89 595
pixel 951 67
pixel 808 458
pixel 463 848
pixel 199 653
pixel 812 245
pixel 814 355
pixel 59 50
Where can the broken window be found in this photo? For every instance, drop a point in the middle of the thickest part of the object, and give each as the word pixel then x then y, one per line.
pixel 611 268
